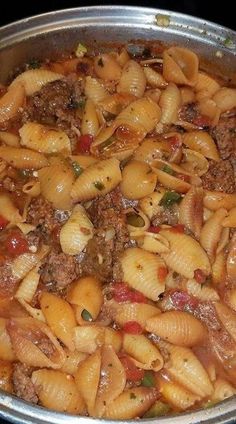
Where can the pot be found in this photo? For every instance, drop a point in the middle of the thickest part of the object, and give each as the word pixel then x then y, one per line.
pixel 47 36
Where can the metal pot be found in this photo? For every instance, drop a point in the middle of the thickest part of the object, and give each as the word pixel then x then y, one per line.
pixel 49 35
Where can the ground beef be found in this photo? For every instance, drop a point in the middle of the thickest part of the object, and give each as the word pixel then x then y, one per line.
pixel 7 281
pixel 166 216
pixel 9 184
pixel 224 134
pixel 188 112
pixel 219 177
pixel 112 200
pixel 23 386
pixel 205 311
pixel 59 270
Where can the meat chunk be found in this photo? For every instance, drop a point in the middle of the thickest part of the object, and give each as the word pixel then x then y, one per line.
pixel 23 386
pixel 224 134
pixel 7 281
pixel 219 177
pixel 59 270
pixel 188 112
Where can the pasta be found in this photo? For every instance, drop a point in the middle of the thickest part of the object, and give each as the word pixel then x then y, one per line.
pixel 117 233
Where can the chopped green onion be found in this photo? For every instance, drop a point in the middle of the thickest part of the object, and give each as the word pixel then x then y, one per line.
pixel 157 410
pixel 135 220
pixel 98 185
pixel 148 379
pixel 77 168
pixel 168 170
pixel 81 50
pixel 169 198
pixel 86 315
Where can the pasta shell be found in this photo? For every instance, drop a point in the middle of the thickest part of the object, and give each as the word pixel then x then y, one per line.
pixel 56 182
pixel 191 211
pixel 90 123
pixel 44 139
pixel 214 200
pixel 177 327
pixel 153 243
pixel 154 79
pixel 28 286
pixel 87 379
pixel 186 255
pixel 152 149
pixel 208 107
pixel 206 86
pixel 150 204
pixel 231 259
pixel 58 391
pixel 96 180
pixel 22 158
pixel 32 312
pixel 124 312
pixel 171 182
pixel 188 371
pixel 123 57
pixel 84 161
pixel 29 336
pixel 72 361
pixel 219 268
pixel 180 65
pixel 187 95
pixel 76 232
pixel 170 103
pixel 23 264
pixel 225 98
pixel 202 142
pixel 94 90
pixel 88 338
pixel 112 380
pixel 132 80
pixel 34 79
pixel 140 270
pixel 222 390
pixel 115 103
pixel 144 354
pixel 230 220
pixel 11 102
pixel 9 210
pixel 131 403
pixel 177 395
pixel 107 68
pixel 227 317
pixel 138 180
pixel 32 188
pixel 202 292
pixel 194 162
pixel 211 233
pixel 6 351
pixel 60 318
pixel 231 298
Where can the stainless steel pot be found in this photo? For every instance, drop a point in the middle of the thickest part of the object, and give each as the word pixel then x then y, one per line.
pixel 49 35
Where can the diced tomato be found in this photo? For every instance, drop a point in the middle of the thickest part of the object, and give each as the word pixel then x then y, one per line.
pixel 3 222
pixel 123 293
pixel 181 300
pixel 200 276
pixel 162 273
pixel 178 228
pixel 183 177
pixel 84 143
pixel 174 142
pixel 132 327
pixel 154 229
pixel 133 373
pixel 16 244
pixel 202 121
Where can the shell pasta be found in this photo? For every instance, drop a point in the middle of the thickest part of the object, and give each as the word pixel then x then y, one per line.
pixel 117 233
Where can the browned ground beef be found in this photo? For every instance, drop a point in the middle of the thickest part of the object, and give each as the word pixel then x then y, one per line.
pixel 166 216
pixel 23 386
pixel 59 269
pixel 219 177
pixel 224 133
pixel 7 281
pixel 188 112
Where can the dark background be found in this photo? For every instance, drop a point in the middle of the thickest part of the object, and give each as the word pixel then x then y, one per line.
pixel 217 11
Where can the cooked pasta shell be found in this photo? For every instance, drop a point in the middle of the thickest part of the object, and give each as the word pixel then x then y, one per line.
pixel 227 317
pixel 219 268
pixel 32 312
pixel 202 142
pixel 202 292
pixel 10 139
pixel 131 403
pixel 88 338
pixel 230 298
pixel 170 103
pixel 191 210
pixel 123 57
pixel 208 107
pixel 225 98
pixel 230 219
pixel 86 293
pixel 34 79
pixel 231 259
pixel 72 361
pixel 177 327
pixel 186 255
pixel 11 102
pixel 76 232
pixel 29 338
pixel 97 180
pixel 58 391
pixel 94 90
pixel 6 371
pixel 222 390
pixel 23 264
pixel 28 286
pixel 187 370
pixel 44 139
pixel 153 243
pixel 153 93
pixel 90 123
pixel 187 95
pixel 8 210
pixel 177 395
pixel 124 312
pixel 22 158
pixel 144 354
pixel 6 351
pixel 152 149
pixel 214 200
pixel 137 222
pixel 171 182
pixel 180 65
pixel 115 103
pixel 154 79
pixel 138 180
pixel 140 270
pixel 87 379
pixel 206 86
pixel 112 380
pixel 194 162
pixel 211 233
pixel 32 188
pixel 56 182
pixel 106 67
pixel 60 318
pixel 150 204
pixel 132 80
pixel 84 161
